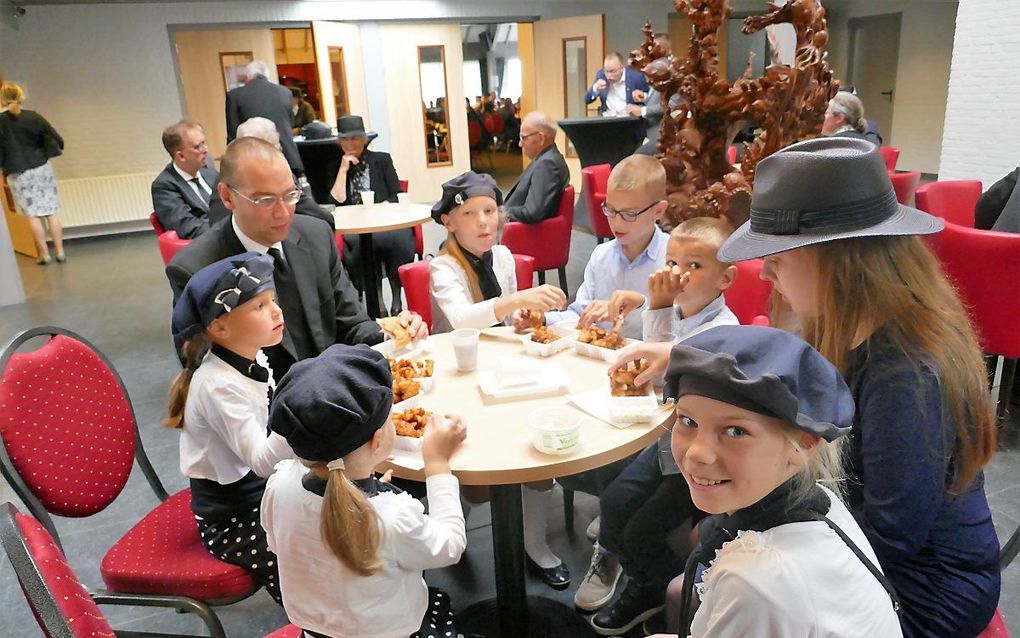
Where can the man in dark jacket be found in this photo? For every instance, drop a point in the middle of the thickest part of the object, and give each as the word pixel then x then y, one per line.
pixel 262 98
pixel 536 195
pixel 181 192
pixel 320 306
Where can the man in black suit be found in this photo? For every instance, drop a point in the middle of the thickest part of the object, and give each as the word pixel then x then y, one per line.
pixel 261 98
pixel 536 195
pixel 181 192
pixel 320 306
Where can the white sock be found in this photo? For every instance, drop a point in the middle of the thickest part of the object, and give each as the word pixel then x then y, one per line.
pixel 536 520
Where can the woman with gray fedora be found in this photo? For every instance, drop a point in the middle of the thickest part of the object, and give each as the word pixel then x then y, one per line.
pixel 864 289
pixel 360 170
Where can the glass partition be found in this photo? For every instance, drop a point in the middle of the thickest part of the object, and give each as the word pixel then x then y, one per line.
pixel 575 81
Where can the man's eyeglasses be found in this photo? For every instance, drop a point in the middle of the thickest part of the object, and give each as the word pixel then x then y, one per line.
pixel 525 136
pixel 289 198
pixel 625 214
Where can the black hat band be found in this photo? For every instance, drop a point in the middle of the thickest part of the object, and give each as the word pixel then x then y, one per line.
pixel 854 215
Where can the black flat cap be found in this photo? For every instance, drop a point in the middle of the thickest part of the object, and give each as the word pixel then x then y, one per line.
pixel 461 188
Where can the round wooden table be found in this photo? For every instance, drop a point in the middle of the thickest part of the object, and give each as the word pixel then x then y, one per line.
pixel 498 452
pixel 363 220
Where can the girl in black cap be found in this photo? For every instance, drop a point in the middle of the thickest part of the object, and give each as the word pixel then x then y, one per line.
pixel 221 403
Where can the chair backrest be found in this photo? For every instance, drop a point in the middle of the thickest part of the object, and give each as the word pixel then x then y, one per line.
pixel 905 184
pixel 547 241
pixel 498 124
pixel 339 239
pixel 952 200
pixel 414 277
pixel 594 184
pixel 891 155
pixel 61 604
pixel 525 267
pixel 731 154
pixel 490 123
pixel 170 244
pixel 474 133
pixel 984 266
pixel 748 297
pixel 67 428
pixel 403 185
pixel 997 628
pixel 156 224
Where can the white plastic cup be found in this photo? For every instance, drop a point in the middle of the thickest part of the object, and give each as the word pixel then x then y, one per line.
pixel 465 348
pixel 555 430
pixel 404 198
pixel 368 197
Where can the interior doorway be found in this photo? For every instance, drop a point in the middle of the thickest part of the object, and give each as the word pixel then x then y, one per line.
pixel 295 65
pixel 871 69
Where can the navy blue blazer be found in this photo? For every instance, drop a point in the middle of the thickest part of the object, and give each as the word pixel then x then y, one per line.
pixel 634 79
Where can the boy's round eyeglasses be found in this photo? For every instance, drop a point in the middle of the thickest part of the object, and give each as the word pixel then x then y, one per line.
pixel 289 198
pixel 625 214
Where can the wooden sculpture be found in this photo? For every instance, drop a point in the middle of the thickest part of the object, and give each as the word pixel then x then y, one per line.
pixel 788 104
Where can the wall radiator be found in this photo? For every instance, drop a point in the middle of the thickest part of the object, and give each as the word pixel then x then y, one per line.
pixel 90 201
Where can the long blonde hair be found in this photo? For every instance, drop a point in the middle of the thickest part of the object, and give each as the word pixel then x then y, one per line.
pixel 349 524
pixel 193 349
pixel 825 467
pixel 453 249
pixel 896 284
pixel 11 96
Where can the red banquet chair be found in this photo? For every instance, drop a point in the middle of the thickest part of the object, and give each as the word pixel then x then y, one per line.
pixel 169 243
pixel 414 277
pixel 748 297
pixel 891 155
pixel 59 601
pixel 952 200
pixel 731 154
pixel 156 224
pixel 594 184
pixel 905 184
pixel 548 241
pixel 65 401
pixel 419 239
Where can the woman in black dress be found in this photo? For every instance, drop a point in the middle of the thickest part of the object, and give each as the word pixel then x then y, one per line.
pixel 361 169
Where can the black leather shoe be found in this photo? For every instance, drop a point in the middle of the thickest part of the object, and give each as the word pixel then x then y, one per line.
pixel 556 577
pixel 634 606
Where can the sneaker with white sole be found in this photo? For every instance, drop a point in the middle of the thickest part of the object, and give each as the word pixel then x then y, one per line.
pixel 593 529
pixel 635 605
pixel 599 584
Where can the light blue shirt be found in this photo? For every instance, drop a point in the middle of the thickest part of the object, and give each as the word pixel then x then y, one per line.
pixel 609 270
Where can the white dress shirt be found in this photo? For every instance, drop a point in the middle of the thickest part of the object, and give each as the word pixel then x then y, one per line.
pixel 616 98
pixel 452 306
pixel 251 244
pixel 204 191
pixel 225 422
pixel 798 580
pixel 322 595
pixel 609 270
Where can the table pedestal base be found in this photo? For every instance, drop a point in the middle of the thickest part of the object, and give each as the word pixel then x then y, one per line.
pixel 546 619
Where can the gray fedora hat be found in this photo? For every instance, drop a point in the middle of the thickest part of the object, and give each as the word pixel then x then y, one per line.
pixel 822 190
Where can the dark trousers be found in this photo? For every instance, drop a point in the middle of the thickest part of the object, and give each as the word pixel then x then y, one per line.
pixel 393 248
pixel 639 510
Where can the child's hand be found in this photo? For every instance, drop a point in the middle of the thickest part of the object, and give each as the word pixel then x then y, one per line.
pixel 443 435
pixel 622 302
pixel 544 298
pixel 595 312
pixel 522 320
pixel 664 285
pixel 657 355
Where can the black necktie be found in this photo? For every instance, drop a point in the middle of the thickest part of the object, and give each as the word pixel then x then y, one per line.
pixel 201 190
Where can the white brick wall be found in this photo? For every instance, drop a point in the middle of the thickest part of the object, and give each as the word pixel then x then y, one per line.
pixel 982 128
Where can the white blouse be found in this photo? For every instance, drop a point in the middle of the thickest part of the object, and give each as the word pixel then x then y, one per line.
pixel 225 424
pixel 322 595
pixel 798 580
pixel 452 306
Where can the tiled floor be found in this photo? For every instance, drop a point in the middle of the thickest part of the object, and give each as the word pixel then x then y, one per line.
pixel 113 292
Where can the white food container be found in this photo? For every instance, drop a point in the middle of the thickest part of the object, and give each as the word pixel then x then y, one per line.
pixel 605 354
pixel 566 334
pixel 407 404
pixel 633 409
pixel 555 430
pixel 407 443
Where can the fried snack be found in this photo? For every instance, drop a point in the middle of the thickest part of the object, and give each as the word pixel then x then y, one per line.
pixel 621 382
pixel 535 318
pixel 411 422
pixel 409 369
pixel 543 334
pixel 596 336
pixel 404 389
pixel 396 330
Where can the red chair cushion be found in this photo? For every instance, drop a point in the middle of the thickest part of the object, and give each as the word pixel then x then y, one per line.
pixel 163 554
pixel 547 241
pixel 414 277
pixel 905 184
pixel 156 224
pixel 67 426
pixel 891 155
pixel 82 614
pixel 952 200
pixel 748 297
pixel 524 266
pixel 594 184
pixel 169 244
pixel 339 239
pixel 290 631
pixel 997 628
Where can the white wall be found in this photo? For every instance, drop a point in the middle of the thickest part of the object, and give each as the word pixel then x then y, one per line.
pixel 103 74
pixel 926 49
pixel 982 139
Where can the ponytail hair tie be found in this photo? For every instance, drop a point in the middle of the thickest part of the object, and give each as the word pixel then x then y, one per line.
pixel 336 464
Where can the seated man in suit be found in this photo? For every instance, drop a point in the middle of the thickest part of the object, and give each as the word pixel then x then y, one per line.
pixel 320 306
pixel 180 194
pixel 263 129
pixel 261 98
pixel 616 86
pixel 536 195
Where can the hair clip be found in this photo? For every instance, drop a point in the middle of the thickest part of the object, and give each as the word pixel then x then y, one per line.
pixel 336 464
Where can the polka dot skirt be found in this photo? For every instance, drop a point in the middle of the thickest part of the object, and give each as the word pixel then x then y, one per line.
pixel 240 540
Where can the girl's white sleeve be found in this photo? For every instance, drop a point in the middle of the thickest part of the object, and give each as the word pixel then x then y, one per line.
pixel 437 540
pixel 454 299
pixel 230 413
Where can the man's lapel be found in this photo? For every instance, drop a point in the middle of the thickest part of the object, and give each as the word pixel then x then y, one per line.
pixel 188 190
pixel 302 265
